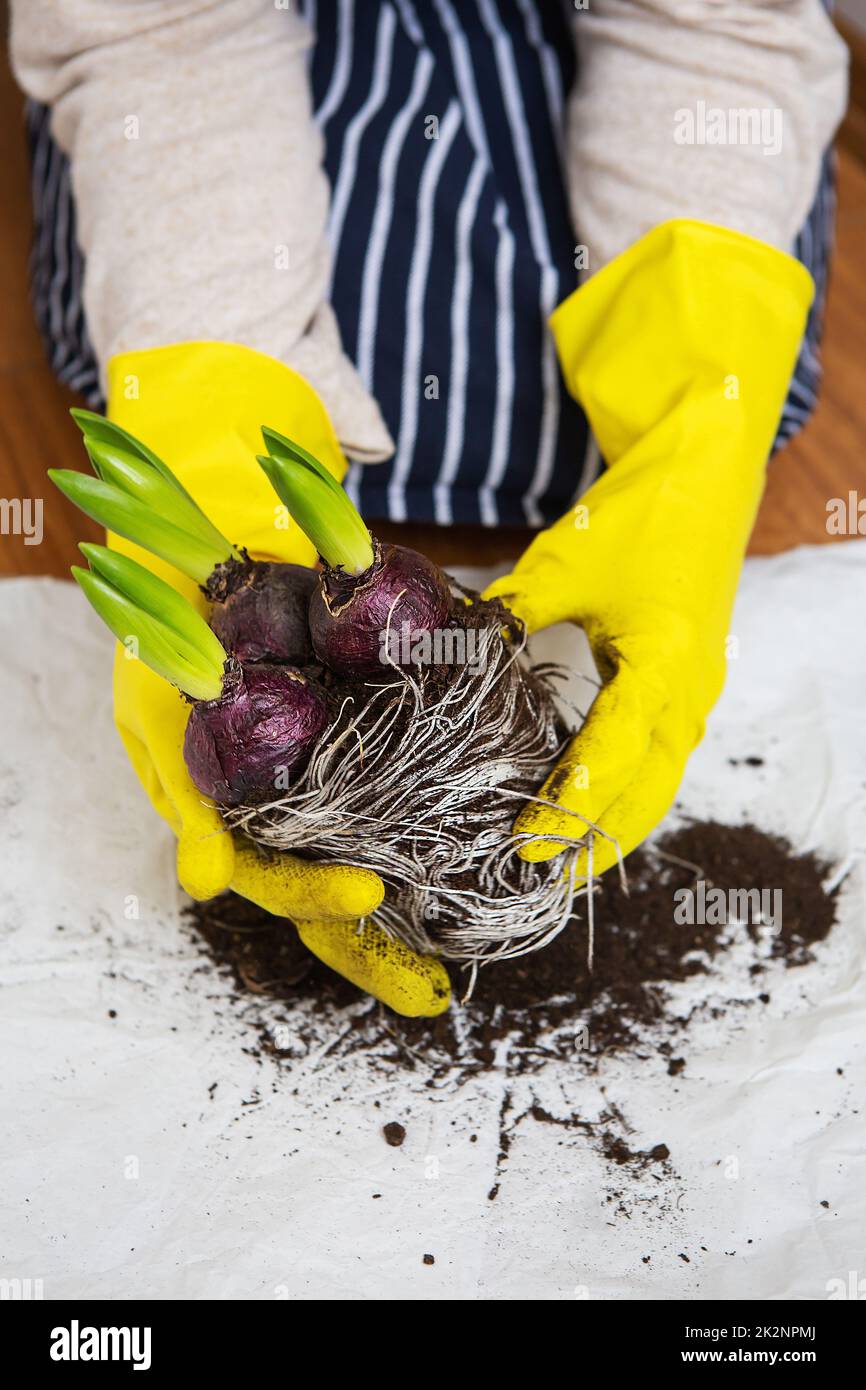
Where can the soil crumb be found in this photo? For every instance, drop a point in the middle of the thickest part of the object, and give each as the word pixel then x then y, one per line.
pixel 394 1134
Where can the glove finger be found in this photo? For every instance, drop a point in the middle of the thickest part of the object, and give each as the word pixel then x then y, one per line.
pixel 526 600
pixel 205 860
pixel 599 762
pixel 291 887
pixel 639 808
pixel 550 582
pixel 205 853
pixel 413 985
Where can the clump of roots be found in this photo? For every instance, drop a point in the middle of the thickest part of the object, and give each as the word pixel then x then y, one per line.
pixel 420 776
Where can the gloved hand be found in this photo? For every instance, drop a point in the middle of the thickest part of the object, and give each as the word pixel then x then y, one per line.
pixel 681 352
pixel 200 406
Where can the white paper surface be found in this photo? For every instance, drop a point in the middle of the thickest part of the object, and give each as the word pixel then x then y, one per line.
pixel 123 1177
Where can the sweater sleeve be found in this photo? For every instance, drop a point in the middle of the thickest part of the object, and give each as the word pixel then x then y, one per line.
pixel 717 110
pixel 198 180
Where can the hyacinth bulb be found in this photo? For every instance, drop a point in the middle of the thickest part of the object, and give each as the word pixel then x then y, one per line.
pixel 351 616
pixel 369 591
pixel 264 616
pixel 241 746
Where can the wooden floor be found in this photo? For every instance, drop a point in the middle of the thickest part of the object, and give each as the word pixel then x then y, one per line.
pixel 826 461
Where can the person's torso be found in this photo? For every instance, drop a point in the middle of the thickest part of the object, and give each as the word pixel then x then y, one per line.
pixel 452 238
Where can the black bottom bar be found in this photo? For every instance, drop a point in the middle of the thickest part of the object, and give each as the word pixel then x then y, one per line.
pixel 74 1338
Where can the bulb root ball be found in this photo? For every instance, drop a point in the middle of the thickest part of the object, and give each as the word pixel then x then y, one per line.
pixel 419 776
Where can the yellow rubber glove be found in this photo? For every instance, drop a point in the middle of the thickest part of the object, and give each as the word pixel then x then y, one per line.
pixel 200 406
pixel 681 352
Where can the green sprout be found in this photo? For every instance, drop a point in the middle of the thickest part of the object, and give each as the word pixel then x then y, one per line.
pixel 137 496
pixel 318 503
pixel 169 635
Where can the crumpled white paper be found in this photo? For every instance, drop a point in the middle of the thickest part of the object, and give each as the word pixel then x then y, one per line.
pixel 124 1174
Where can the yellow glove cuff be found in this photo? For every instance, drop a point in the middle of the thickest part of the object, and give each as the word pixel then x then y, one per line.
pixel 689 308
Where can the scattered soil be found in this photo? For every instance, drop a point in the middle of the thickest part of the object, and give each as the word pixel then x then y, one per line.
pixel 638 944
pixel 548 1005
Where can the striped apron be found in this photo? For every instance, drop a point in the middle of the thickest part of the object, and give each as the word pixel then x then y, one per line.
pixel 449 252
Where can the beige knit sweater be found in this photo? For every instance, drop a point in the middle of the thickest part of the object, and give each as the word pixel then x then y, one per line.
pixel 197 169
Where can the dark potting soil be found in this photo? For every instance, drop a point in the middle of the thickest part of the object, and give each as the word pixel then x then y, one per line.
pixel 548 1005
pixel 638 944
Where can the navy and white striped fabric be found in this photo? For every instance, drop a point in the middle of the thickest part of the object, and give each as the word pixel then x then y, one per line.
pixel 452 243
pixel 475 232
pixel 56 263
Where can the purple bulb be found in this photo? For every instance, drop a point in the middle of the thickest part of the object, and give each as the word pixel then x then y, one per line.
pixel 240 747
pixel 350 615
pixel 261 613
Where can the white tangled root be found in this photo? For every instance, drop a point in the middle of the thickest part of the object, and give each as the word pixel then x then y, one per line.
pixel 420 779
